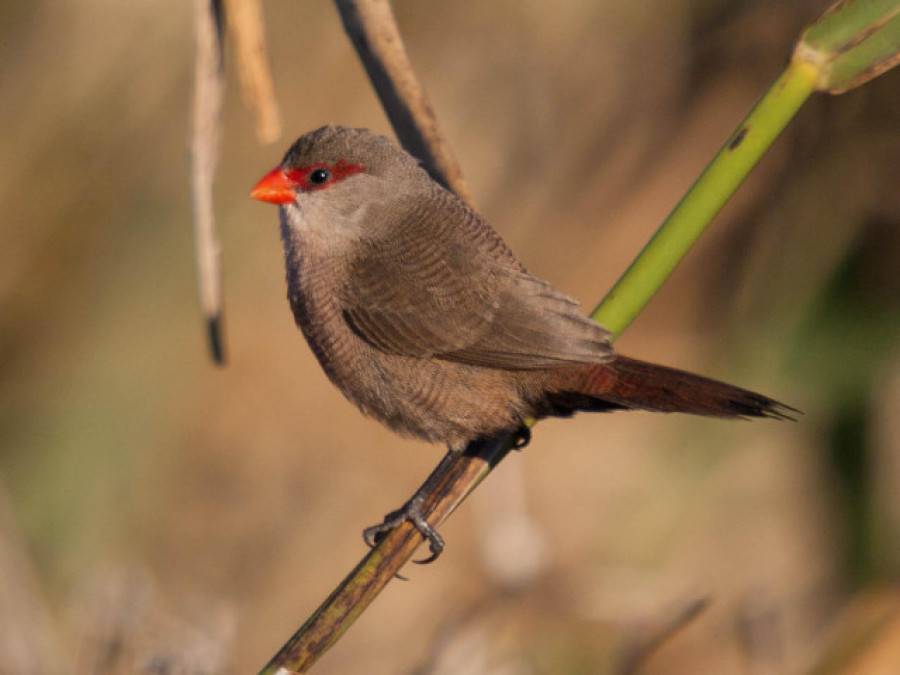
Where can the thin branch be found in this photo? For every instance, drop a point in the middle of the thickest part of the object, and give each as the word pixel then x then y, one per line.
pixel 209 88
pixel 371 26
pixel 245 21
pixel 453 479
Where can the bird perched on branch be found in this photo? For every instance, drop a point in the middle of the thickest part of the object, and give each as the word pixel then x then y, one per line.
pixel 423 317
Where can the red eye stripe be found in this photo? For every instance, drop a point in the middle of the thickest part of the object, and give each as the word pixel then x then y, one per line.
pixel 339 171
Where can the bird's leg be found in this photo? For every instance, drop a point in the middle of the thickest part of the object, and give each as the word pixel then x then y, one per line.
pixel 412 511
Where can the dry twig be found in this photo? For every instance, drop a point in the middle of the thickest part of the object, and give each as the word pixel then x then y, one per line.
pixel 371 26
pixel 245 21
pixel 453 479
pixel 209 89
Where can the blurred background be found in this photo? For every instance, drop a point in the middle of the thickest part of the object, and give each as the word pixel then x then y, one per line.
pixel 159 514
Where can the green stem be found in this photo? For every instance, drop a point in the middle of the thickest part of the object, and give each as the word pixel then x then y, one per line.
pixel 706 197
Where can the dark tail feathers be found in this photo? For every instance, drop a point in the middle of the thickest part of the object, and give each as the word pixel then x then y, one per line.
pixel 637 385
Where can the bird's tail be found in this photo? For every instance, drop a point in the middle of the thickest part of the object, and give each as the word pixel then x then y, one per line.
pixel 626 383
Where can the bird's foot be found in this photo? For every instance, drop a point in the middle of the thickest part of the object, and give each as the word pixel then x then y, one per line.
pixel 412 512
pixel 521 437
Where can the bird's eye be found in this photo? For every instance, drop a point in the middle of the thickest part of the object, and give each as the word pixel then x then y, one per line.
pixel 319 176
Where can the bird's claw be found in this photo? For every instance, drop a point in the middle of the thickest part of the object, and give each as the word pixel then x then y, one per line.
pixel 521 437
pixel 412 512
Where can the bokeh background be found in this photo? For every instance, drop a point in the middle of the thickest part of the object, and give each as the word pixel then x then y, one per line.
pixel 159 514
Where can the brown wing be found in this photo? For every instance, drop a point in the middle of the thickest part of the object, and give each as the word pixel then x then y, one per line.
pixel 447 286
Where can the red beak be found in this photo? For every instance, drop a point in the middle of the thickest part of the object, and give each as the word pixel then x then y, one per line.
pixel 275 187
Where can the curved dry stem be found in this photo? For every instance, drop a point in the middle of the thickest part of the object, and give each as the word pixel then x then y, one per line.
pixel 372 28
pixel 209 89
pixel 245 22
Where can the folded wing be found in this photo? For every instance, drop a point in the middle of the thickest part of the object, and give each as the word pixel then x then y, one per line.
pixel 445 285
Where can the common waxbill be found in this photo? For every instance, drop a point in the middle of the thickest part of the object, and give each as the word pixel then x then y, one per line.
pixel 423 317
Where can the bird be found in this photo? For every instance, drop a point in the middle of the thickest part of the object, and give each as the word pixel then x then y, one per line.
pixel 423 317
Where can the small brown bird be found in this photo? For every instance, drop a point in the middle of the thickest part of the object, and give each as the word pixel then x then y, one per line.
pixel 422 316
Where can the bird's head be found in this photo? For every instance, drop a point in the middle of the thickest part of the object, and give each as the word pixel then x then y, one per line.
pixel 343 167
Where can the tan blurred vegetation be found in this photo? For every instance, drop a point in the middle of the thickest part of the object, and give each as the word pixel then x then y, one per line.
pixel 161 515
